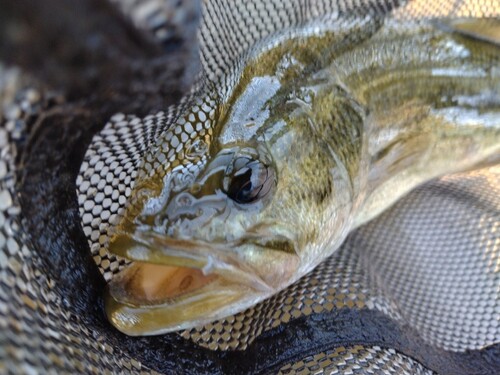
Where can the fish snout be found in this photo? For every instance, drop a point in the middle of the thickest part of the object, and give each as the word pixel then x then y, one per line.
pixel 185 214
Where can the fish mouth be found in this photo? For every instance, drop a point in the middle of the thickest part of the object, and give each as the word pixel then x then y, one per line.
pixel 177 284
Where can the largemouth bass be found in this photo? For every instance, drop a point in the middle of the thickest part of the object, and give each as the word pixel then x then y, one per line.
pixel 321 131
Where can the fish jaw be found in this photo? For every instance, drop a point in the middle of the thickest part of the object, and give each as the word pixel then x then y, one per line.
pixel 214 300
pixel 177 284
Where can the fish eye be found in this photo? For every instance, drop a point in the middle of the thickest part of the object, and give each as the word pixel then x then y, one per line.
pixel 250 180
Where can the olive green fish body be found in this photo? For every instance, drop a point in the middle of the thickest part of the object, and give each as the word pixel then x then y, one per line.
pixel 322 131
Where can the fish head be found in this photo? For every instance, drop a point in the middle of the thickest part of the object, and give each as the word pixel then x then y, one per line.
pixel 256 205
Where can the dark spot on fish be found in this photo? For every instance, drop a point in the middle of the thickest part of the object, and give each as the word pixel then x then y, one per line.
pixel 323 192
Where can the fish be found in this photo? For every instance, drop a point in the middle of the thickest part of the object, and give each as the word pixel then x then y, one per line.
pixel 320 131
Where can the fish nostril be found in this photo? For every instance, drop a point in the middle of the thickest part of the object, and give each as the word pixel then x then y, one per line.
pixel 184 200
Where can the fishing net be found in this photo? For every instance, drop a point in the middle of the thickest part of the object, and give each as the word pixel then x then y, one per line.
pixel 414 291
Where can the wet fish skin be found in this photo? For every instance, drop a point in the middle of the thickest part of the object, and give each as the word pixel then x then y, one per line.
pixel 336 126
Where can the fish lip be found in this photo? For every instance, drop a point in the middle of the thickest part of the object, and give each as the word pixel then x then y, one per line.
pixel 151 247
pixel 164 318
